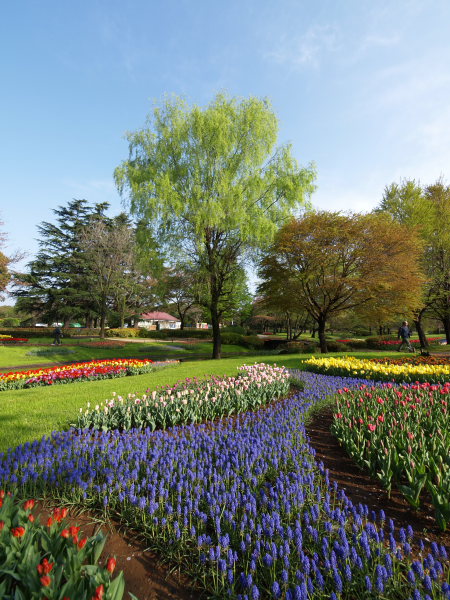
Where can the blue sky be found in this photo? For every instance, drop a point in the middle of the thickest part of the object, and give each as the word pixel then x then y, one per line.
pixel 361 88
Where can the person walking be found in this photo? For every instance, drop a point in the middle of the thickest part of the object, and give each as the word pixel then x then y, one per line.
pixel 405 333
pixel 57 335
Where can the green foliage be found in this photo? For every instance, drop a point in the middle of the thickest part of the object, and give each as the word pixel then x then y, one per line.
pixel 9 322
pixel 232 338
pixel 35 332
pixel 56 286
pixel 374 340
pixel 52 560
pixel 234 329
pixel 164 334
pixel 337 346
pixel 209 183
pixel 125 332
pixel 356 344
pixel 253 341
pixel 299 348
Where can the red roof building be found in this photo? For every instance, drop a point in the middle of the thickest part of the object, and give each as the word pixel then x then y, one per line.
pixel 158 320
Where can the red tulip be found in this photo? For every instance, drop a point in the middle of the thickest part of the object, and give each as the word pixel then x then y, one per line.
pixel 111 565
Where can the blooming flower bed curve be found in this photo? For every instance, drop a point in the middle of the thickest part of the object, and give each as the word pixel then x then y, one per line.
pixel 401 373
pixel 85 371
pixel 244 501
pixel 190 401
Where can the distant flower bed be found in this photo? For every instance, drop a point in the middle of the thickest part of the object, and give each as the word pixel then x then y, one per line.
pixel 85 371
pixel 190 401
pixel 397 342
pixel 51 560
pixel 413 360
pixel 103 344
pixel 9 339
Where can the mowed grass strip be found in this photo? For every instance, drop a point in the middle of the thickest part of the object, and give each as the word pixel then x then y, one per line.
pixel 28 414
pixel 74 351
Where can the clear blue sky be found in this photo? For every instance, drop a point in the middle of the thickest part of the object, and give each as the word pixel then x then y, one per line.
pixel 360 87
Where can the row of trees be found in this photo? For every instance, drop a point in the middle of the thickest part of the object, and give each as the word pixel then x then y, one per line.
pixel 209 192
pixel 98 269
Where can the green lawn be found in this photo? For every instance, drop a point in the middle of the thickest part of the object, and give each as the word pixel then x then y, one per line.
pixel 28 414
pixel 75 351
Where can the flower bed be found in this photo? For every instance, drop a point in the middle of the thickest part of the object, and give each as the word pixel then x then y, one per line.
pixel 414 360
pixel 190 401
pixel 401 373
pixel 85 371
pixel 50 560
pixel 242 501
pixel 9 339
pixel 396 342
pixel 402 434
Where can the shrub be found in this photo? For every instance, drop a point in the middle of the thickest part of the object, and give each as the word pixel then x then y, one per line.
pixel 357 344
pixel 374 341
pixel 164 334
pixel 232 338
pixel 333 346
pixel 124 332
pixel 9 322
pixel 295 347
pixel 234 329
pixel 252 341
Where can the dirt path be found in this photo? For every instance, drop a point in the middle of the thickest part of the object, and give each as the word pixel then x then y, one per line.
pixel 360 487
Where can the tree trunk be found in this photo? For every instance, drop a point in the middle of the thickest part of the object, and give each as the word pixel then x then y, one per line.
pixel 446 324
pixel 420 332
pixel 288 328
pixel 321 330
pixel 102 325
pixel 182 322
pixel 217 342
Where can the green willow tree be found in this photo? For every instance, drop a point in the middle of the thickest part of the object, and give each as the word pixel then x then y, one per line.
pixel 209 182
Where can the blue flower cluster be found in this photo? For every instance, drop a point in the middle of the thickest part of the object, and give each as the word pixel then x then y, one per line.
pixel 245 499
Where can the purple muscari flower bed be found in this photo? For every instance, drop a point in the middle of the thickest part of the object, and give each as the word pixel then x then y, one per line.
pixel 245 500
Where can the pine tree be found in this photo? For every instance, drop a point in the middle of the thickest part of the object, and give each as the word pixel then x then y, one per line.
pixel 56 286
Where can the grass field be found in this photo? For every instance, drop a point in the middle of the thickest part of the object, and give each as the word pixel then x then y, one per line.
pixel 28 414
pixel 40 351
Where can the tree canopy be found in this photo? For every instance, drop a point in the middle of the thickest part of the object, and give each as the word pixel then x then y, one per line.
pixel 209 182
pixel 427 210
pixel 331 263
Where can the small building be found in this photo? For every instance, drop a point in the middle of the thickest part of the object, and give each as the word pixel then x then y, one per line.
pixel 158 320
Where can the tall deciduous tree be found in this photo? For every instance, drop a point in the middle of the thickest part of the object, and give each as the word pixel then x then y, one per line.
pixel 210 181
pixel 333 262
pixel 182 290
pixel 108 246
pixel 426 209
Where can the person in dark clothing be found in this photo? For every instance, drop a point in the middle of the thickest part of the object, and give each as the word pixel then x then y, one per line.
pixel 57 335
pixel 405 333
